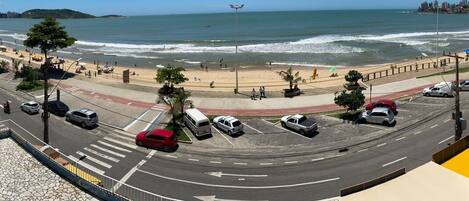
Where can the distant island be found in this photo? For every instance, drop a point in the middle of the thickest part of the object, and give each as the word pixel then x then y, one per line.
pixel 456 8
pixel 55 13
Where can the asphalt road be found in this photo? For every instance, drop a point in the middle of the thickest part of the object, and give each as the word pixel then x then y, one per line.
pixel 197 179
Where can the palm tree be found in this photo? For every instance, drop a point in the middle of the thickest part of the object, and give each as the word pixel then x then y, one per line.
pixel 289 77
pixel 16 64
pixel 180 98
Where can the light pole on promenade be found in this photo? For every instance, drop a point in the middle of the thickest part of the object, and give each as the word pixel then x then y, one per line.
pixel 236 7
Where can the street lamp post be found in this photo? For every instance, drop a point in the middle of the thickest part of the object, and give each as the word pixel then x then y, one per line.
pixel 236 7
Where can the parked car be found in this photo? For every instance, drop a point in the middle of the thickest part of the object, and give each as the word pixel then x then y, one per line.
pixel 197 122
pixel 84 117
pixel 30 107
pixel 443 89
pixel 464 85
pixel 58 108
pixel 390 104
pixel 157 139
pixel 228 124
pixel 379 115
pixel 300 123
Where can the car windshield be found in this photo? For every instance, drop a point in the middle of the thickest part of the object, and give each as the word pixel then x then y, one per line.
pixel 236 123
pixel 302 119
pixel 93 115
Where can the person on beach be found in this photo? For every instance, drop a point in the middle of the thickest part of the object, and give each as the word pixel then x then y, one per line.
pixel 260 93
pixel 253 94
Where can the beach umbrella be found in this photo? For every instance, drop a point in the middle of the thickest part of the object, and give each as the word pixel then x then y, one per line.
pixel 332 69
pixel 467 51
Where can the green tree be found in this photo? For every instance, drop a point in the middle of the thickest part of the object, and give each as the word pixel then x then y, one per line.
pixel 180 99
pixel 175 103
pixel 352 78
pixel 290 77
pixel 353 100
pixel 170 76
pixel 48 36
pixel 16 63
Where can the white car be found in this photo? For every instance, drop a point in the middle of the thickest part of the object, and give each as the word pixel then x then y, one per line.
pixel 443 89
pixel 30 107
pixel 379 115
pixel 464 85
pixel 228 124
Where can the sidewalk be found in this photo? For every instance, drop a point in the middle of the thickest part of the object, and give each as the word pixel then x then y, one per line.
pixel 246 107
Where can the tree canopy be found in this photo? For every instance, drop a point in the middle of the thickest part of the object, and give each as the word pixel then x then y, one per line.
pixel 171 76
pixel 354 99
pixel 290 77
pixel 48 36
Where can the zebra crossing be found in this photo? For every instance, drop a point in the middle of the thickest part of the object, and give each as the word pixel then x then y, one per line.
pixel 103 154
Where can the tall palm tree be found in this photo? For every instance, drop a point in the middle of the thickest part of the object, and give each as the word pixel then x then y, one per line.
pixel 180 99
pixel 289 77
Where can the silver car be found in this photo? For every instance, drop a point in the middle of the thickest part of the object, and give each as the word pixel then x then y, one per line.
pixel 30 107
pixel 84 117
pixel 464 85
pixel 228 124
pixel 379 115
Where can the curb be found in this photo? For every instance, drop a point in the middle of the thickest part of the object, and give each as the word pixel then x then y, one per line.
pixel 111 126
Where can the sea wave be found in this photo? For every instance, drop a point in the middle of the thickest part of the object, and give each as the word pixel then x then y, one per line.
pixel 16 36
pixel 187 61
pixel 306 65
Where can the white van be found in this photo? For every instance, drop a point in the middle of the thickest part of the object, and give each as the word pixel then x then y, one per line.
pixel 197 122
pixel 444 89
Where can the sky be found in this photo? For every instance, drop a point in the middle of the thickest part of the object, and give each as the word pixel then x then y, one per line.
pixel 161 7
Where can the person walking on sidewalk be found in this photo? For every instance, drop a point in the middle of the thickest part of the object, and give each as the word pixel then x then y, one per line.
pixel 260 93
pixel 253 94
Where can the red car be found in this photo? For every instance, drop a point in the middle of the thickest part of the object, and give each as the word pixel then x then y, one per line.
pixel 157 139
pixel 390 104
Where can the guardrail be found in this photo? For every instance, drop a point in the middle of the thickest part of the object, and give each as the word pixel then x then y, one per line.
pixel 451 151
pixel 394 69
pixel 109 188
pixel 372 183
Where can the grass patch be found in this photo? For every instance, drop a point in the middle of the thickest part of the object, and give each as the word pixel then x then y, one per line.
pixel 29 86
pixel 181 135
pixel 461 70
pixel 350 116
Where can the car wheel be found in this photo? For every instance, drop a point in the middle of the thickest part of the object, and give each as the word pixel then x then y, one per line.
pixel 139 143
pixel 67 118
pixel 445 95
pixel 283 124
pixel 230 133
pixel 425 94
pixel 83 125
pixel 385 123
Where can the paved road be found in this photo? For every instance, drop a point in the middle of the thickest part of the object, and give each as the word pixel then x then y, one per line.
pixel 190 177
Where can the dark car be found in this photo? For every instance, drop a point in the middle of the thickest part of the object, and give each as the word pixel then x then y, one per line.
pixel 390 104
pixel 58 108
pixel 157 139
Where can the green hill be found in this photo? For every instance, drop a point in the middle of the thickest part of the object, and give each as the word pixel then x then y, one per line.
pixel 55 13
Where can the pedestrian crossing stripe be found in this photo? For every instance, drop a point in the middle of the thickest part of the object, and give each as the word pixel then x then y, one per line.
pixel 121 143
pixel 108 151
pixel 106 165
pixel 112 146
pixel 101 155
pixel 123 137
pixel 125 133
pixel 86 165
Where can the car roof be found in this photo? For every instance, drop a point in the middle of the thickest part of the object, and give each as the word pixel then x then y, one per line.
pixel 297 116
pixel 380 109
pixel 387 101
pixel 32 102
pixel 162 132
pixel 86 111
pixel 196 115
pixel 230 119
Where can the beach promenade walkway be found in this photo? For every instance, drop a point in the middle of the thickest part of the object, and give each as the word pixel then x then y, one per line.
pixel 245 106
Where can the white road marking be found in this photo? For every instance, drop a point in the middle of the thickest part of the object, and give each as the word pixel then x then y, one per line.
pixel 252 128
pixel 395 161
pixel 317 159
pixel 124 133
pixel 382 144
pixel 131 172
pixel 363 150
pixel 290 162
pixel 214 198
pixel 123 137
pixel 240 187
pixel 101 155
pixel 401 138
pixel 434 126
pixel 153 121
pixel 121 143
pixel 241 179
pixel 222 135
pixel 221 174
pixel 265 164
pixel 136 120
pixel 443 141
pixel 86 165
pixel 215 162
pixel 94 160
pixel 402 110
pixel 193 159
pixel 446 121
pixel 108 151
pixel 240 163
pixel 290 131
pixel 169 156
pixel 115 147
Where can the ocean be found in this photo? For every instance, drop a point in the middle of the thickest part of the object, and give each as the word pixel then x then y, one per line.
pixel 313 38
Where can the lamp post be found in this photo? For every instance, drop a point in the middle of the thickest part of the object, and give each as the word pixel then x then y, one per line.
pixel 236 7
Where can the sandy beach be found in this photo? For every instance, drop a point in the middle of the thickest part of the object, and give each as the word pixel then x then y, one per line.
pixel 224 80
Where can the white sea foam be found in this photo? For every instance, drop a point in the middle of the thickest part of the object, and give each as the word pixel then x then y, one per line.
pixel 15 36
pixel 305 65
pixel 187 61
